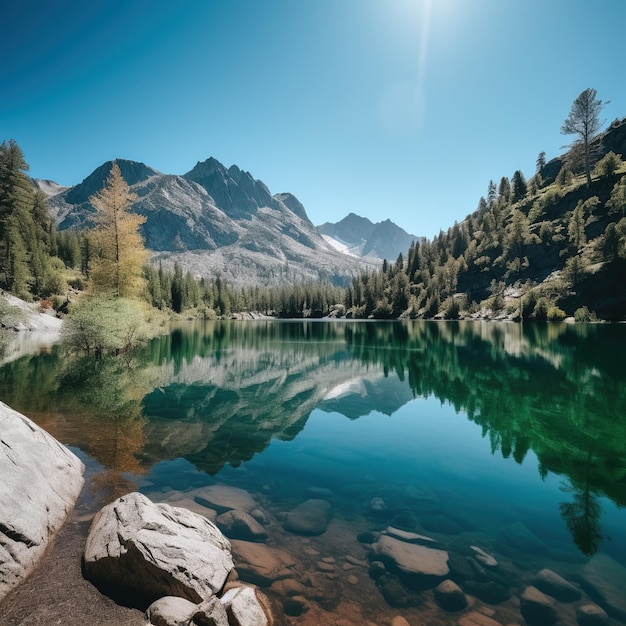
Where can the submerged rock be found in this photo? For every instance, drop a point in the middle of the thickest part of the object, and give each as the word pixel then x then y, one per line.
pixel 489 591
pixel 309 518
pixel 518 536
pixel 223 498
pixel 483 557
pixel 591 615
pixel 377 506
pixel 410 537
pixel 477 619
pixel 260 564
pixel 556 586
pixel 40 482
pixel 450 597
pixel 157 549
pixel 537 608
pixel 605 580
pixel 240 525
pixel 425 567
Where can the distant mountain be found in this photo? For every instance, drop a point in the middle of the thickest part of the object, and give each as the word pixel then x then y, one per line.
pixel 49 187
pixel 215 220
pixel 360 237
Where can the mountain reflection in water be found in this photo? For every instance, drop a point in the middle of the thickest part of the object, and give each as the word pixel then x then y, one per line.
pixel 218 393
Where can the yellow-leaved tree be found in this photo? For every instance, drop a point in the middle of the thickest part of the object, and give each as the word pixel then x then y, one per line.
pixel 117 249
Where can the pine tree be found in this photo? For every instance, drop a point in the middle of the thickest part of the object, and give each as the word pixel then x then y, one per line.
pixel 16 204
pixel 117 251
pixel 584 121
pixel 541 161
pixel 519 186
pixel 576 228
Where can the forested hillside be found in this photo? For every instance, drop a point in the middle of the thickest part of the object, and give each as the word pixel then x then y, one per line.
pixel 543 248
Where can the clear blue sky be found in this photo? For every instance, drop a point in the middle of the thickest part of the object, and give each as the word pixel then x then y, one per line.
pixel 400 109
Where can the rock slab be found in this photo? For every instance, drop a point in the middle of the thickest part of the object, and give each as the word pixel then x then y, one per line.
pixel 426 567
pixel 260 564
pixel 224 498
pixel 157 550
pixel 40 482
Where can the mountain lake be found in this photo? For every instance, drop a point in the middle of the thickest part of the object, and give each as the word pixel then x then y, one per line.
pixel 494 452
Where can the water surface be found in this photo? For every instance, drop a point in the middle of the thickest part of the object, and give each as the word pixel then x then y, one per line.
pixel 508 437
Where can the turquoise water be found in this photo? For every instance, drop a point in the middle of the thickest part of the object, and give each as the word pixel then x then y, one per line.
pixel 509 438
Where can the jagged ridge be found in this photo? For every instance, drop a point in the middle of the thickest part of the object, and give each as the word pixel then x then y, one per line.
pixel 217 220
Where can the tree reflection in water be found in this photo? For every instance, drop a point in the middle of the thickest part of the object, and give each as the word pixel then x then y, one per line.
pixel 217 393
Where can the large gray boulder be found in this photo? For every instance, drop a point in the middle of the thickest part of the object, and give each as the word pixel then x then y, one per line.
pixel 40 481
pixel 157 550
pixel 246 606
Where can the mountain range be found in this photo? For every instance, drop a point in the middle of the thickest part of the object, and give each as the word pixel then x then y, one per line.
pixel 219 221
pixel 360 237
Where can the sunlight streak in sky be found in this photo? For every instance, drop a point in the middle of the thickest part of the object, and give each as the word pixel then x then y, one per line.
pixel 403 103
pixel 422 58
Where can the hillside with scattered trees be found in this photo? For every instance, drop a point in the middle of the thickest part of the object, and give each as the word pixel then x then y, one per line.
pixel 542 248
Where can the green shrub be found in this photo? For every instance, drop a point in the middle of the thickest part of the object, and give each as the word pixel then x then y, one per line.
pixel 555 314
pixel 383 310
pixel 101 324
pixel 583 314
pixel 77 283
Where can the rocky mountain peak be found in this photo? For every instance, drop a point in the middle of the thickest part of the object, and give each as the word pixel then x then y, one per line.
pixel 293 204
pixel 133 172
pixel 236 192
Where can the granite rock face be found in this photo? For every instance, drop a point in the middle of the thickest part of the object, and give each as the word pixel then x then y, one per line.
pixel 40 482
pixel 157 550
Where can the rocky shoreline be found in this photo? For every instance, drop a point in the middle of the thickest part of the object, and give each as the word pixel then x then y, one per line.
pixel 218 554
